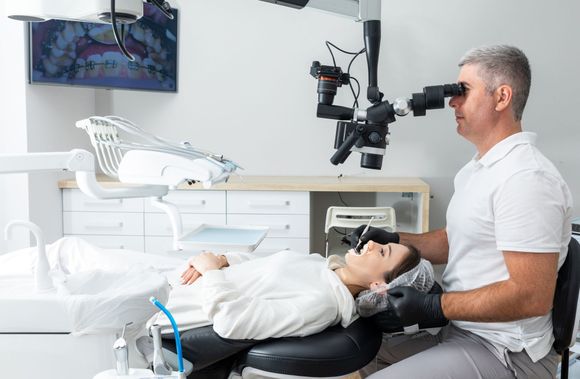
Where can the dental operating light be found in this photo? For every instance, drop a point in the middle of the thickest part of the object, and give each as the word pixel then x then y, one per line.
pixel 114 12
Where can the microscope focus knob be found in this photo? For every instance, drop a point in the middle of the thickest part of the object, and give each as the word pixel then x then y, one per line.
pixel 375 137
pixel 402 107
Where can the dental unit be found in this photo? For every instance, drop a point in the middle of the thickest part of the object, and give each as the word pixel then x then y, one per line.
pixel 83 295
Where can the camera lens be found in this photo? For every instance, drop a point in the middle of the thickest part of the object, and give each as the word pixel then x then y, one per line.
pixel 326 90
pixel 372 161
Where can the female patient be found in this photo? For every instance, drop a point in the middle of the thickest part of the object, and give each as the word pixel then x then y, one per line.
pixel 284 294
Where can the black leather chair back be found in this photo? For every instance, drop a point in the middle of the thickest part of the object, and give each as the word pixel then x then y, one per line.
pixel 566 299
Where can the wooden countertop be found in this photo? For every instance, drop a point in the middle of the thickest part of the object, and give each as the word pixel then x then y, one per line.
pixel 296 183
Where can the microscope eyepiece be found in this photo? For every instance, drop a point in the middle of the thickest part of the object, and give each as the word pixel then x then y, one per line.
pixel 433 97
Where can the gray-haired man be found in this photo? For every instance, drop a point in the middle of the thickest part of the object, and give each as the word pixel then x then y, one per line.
pixel 508 227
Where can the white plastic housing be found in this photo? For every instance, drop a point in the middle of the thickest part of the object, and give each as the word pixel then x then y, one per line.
pixel 79 10
pixel 154 167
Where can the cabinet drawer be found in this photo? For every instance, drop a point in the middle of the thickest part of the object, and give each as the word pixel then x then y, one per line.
pixel 274 245
pixel 285 226
pixel 158 224
pixel 103 223
pixel 193 202
pixel 75 200
pixel 268 202
pixel 134 243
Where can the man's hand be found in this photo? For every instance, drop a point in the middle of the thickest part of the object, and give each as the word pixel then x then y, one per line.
pixel 413 306
pixel 373 234
pixel 200 264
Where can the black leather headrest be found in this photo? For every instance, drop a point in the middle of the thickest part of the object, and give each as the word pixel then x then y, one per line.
pixel 333 352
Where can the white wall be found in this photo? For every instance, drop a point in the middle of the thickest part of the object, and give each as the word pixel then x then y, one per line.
pixel 245 91
pixel 13 187
pixel 51 116
pixel 34 119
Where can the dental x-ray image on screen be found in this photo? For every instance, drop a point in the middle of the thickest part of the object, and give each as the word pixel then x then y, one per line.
pixel 86 54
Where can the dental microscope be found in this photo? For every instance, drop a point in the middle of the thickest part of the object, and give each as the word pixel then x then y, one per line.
pixel 365 130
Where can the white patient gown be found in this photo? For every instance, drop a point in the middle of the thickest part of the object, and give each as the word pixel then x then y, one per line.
pixel 284 294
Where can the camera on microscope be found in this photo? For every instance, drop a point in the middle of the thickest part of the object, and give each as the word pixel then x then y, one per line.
pixel 329 79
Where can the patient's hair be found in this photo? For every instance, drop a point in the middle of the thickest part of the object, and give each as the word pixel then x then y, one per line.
pixel 411 261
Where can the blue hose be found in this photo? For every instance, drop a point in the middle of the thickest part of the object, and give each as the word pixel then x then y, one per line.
pixel 175 331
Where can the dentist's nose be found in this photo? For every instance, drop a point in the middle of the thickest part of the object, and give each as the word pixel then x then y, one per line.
pixel 453 102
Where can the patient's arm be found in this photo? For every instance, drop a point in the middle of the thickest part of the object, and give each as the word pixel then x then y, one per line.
pixel 195 271
pixel 199 264
pixel 238 315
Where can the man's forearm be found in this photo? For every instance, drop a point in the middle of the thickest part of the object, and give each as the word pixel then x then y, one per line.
pixel 499 302
pixel 433 245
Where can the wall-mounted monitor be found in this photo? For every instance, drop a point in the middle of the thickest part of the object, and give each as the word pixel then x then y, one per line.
pixel 85 54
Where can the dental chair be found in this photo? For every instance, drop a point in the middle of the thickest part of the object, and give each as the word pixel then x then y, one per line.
pixel 332 353
pixel 565 313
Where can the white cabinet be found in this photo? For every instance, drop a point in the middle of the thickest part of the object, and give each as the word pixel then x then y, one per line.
pixel 137 225
pixel 111 224
pixel 285 213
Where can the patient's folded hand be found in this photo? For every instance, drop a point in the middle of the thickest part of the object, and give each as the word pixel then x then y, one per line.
pixel 189 276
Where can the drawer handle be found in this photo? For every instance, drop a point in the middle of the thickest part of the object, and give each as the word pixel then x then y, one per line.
pixel 199 203
pixel 280 227
pixel 104 225
pixel 270 204
pixel 103 203
pixel 185 228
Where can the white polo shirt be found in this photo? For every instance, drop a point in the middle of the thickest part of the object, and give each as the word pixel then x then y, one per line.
pixel 511 199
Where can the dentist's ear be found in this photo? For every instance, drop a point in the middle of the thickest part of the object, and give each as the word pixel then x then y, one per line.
pixel 504 96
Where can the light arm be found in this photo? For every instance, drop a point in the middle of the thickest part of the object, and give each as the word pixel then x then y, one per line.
pixel 83 164
pixel 359 10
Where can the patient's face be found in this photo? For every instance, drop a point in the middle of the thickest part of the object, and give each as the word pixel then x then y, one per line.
pixel 375 259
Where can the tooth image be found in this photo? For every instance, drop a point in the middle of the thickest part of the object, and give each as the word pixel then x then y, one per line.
pixel 112 61
pixel 137 32
pixel 61 61
pixel 94 66
pixel 61 42
pixel 69 32
pixel 56 52
pixel 134 68
pixel 79 30
pixel 50 68
pixel 149 68
pixel 160 75
pixel 149 39
pixel 157 45
pixel 80 67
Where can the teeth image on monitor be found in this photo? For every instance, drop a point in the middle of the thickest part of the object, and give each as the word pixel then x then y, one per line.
pixel 94 66
pixel 80 69
pixel 112 63
pixel 78 53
